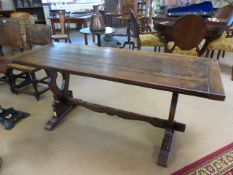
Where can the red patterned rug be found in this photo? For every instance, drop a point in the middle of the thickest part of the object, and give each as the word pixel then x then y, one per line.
pixel 217 163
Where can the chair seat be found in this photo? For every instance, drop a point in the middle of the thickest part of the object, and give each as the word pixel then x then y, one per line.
pixel 177 50
pixel 60 36
pixel 150 40
pixel 21 67
pixel 224 44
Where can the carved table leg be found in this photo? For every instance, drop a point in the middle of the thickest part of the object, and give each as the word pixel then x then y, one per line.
pixel 60 105
pixel 168 136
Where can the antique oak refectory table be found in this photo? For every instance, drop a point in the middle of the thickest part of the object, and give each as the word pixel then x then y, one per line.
pixel 177 74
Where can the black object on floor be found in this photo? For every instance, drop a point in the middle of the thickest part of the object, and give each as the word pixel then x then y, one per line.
pixel 9 117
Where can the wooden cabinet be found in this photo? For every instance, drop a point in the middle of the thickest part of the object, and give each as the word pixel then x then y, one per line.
pixel 34 7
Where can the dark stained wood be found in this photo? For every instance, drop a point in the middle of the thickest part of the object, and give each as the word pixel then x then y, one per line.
pixel 165 147
pixel 232 73
pixel 178 74
pixel 225 12
pixel 165 26
pixel 188 32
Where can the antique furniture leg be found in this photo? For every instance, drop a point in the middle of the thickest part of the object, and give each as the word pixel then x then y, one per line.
pixel 167 140
pixel 219 53
pixel 93 38
pixel 232 73
pixel 64 103
pixel 98 40
pixel 1 52
pixel 85 39
pixel 212 54
pixel 129 42
pixel 60 105
pixel 207 53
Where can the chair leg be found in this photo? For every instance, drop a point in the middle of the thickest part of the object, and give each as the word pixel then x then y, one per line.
pixel 223 54
pixel 93 38
pixel 207 53
pixel 11 80
pixel 34 84
pixel 219 53
pixel 212 54
pixel 232 73
pixel 139 47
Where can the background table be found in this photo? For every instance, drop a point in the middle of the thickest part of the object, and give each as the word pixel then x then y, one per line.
pixel 86 31
pixel 74 18
pixel 164 25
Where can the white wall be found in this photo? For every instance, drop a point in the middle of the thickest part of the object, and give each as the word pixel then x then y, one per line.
pixel 8 5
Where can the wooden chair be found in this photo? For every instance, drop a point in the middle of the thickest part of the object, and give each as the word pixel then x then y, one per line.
pixel 144 24
pixel 18 75
pixel 188 32
pixel 61 31
pixel 24 19
pixel 38 34
pixel 144 39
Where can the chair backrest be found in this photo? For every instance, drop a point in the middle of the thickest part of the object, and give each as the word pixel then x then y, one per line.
pixel 188 32
pixel 134 24
pixel 128 4
pixel 62 26
pixel 38 34
pixel 144 24
pixel 10 35
pixel 225 12
pixel 23 18
pixel 62 21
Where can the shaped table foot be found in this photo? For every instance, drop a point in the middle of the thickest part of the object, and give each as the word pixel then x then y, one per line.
pixel 166 147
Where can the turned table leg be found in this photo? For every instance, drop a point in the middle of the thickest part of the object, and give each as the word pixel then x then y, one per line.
pixel 60 105
pixel 168 136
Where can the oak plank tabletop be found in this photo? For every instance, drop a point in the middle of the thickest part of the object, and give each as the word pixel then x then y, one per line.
pixel 175 73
